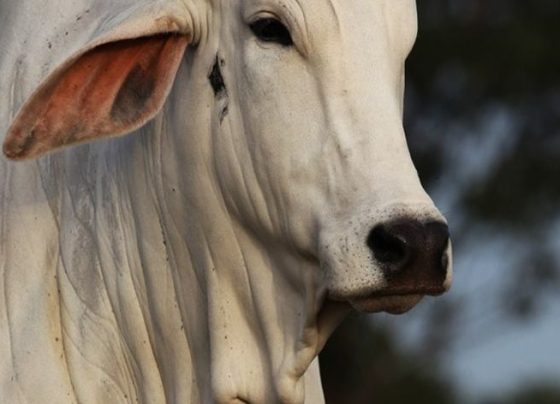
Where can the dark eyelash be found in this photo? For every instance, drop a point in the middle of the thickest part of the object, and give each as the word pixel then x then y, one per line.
pixel 271 30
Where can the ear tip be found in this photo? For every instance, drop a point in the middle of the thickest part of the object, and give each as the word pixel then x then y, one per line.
pixel 10 153
pixel 14 150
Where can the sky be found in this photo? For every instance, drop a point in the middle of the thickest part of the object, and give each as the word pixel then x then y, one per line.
pixel 510 354
pixel 522 355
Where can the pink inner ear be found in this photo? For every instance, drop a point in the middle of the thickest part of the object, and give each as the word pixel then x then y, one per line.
pixel 110 90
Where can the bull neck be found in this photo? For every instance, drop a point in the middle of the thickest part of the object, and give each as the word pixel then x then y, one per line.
pixel 267 318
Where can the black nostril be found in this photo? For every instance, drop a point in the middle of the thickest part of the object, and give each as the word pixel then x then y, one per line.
pixel 387 248
pixel 405 243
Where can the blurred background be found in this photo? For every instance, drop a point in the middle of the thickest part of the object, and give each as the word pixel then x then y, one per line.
pixel 483 123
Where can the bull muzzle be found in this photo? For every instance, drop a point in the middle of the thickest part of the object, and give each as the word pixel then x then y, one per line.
pixel 391 265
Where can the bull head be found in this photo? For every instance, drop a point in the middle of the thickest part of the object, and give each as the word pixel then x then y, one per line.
pixel 287 114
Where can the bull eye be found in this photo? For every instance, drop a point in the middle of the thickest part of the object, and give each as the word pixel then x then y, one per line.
pixel 271 30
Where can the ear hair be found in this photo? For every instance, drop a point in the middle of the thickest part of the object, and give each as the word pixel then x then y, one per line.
pixel 109 90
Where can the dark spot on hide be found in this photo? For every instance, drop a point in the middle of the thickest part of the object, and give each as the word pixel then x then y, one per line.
pixel 223 113
pixel 216 79
pixel 218 86
pixel 131 100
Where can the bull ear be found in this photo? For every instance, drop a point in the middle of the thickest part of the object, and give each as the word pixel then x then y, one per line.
pixel 109 90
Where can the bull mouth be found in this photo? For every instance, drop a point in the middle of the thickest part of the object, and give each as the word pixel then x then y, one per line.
pixel 392 302
pixel 396 304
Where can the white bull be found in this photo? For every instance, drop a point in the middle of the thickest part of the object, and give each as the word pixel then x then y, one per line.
pixel 208 257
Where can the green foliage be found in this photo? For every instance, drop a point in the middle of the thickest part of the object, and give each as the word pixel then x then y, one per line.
pixel 523 191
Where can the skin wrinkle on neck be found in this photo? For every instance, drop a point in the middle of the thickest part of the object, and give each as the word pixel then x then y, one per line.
pixel 244 265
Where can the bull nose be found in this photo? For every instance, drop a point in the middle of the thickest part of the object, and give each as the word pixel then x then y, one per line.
pixel 404 244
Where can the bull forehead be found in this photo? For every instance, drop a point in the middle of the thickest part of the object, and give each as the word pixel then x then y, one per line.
pixel 321 24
